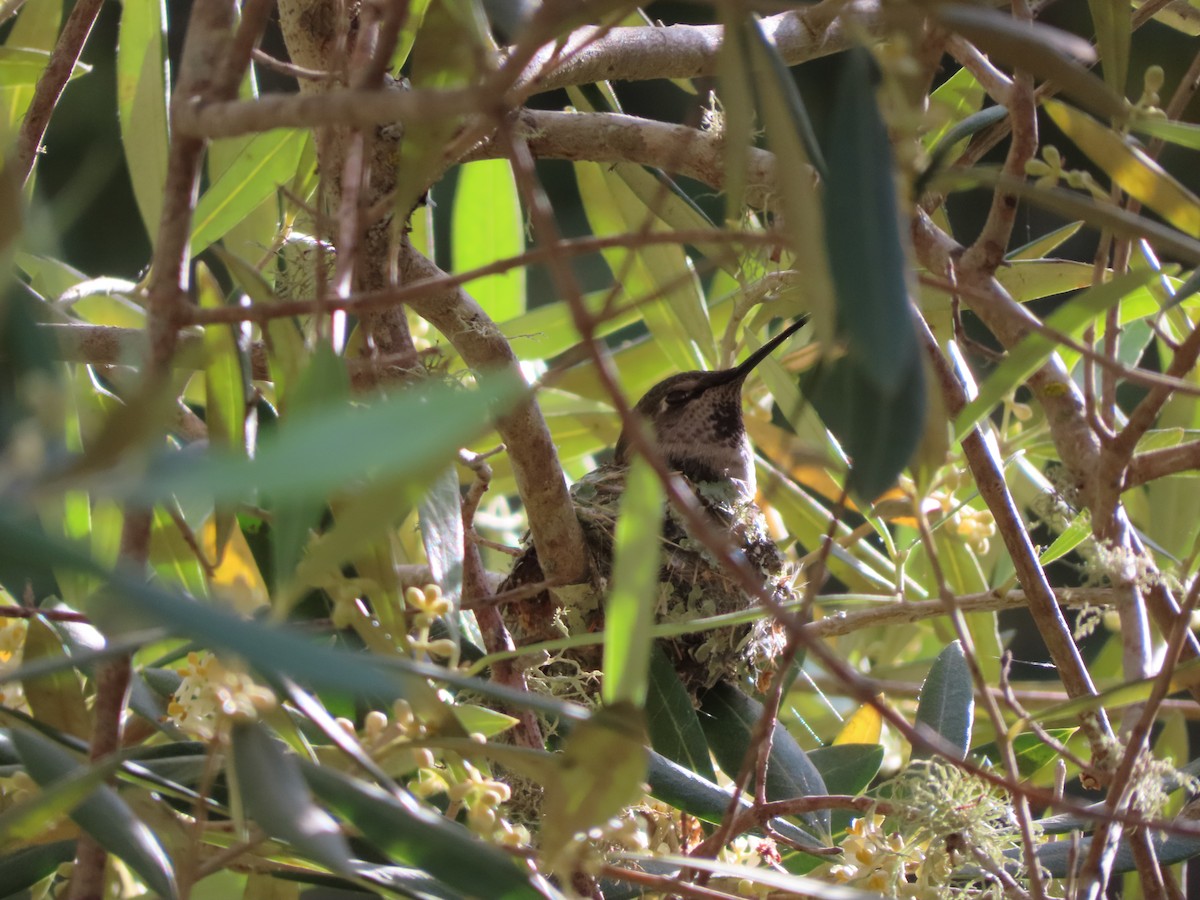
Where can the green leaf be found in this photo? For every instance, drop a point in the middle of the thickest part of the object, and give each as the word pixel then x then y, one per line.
pixel 439 515
pixel 1024 359
pixel 23 65
pixel 729 718
pixel 1129 168
pixel 1184 134
pixel 632 602
pixel 55 699
pixel 1042 247
pixel 1113 23
pixel 24 868
pixel 27 820
pixel 268 160
pixel 1032 753
pixel 671 719
pixel 1039 49
pixel 862 221
pixel 947 701
pixel 274 793
pixel 847 768
pixel 226 371
pixel 879 431
pixel 1071 537
pixel 600 772
pixel 700 797
pixel 486 226
pixel 104 815
pixel 308 457
pixel 143 85
pixel 415 836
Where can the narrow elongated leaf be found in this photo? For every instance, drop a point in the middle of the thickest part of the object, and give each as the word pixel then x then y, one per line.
pixel 274 793
pixel 729 718
pixel 23 65
pixel 862 221
pixel 143 82
pixel 24 868
pixel 30 820
pixel 634 596
pixel 1113 22
pixel 1022 361
pixel 1135 172
pixel 412 835
pixel 947 702
pixel 104 815
pixel 306 459
pixel 1032 47
pixel 56 699
pixel 701 797
pixel 1184 134
pixel 671 719
pixel 486 226
pixel 440 517
pixel 267 161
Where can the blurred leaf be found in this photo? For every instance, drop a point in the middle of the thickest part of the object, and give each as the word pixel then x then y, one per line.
pixel 268 160
pixel 440 517
pixel 847 768
pixel 862 221
pixel 1057 857
pixel 56 699
pixel 309 457
pixel 737 102
pixel 1042 247
pixel 1113 22
pixel 1131 169
pixel 143 83
pixel 879 431
pixel 35 819
pixel 947 701
pixel 1039 49
pixel 955 100
pixel 1023 360
pixel 413 835
pixel 104 815
pixel 864 727
pixel 22 65
pixel 36 28
pixel 1184 134
pixel 671 719
pixel 600 771
pixel 633 599
pixel 408 33
pixel 24 868
pixel 236 578
pixel 274 793
pixel 225 370
pixel 729 718
pixel 486 226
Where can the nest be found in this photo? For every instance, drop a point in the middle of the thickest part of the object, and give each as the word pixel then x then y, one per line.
pixel 692 585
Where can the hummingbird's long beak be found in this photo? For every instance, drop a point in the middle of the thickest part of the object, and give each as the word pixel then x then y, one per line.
pixel 740 371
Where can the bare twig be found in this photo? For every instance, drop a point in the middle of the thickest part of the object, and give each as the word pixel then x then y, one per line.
pixel 63 59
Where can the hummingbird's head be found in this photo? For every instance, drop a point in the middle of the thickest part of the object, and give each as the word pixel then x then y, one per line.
pixel 697 420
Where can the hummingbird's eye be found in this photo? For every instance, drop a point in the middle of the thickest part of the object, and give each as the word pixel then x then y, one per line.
pixel 677 397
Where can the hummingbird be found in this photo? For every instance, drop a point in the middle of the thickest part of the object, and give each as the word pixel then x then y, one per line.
pixel 697 425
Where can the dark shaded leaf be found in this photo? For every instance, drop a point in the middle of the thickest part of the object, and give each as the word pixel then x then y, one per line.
pixel 862 225
pixel 440 516
pixel 729 718
pixel 275 794
pixel 702 798
pixel 947 703
pixel 671 719
pixel 104 815
pixel 879 431
pixel 23 869
pixel 56 698
pixel 418 837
